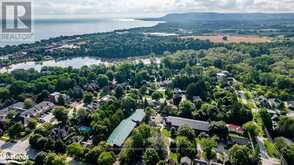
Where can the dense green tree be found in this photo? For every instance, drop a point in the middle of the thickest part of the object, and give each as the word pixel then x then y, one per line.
pixel 60 147
pixel 251 128
pixel 267 120
pixel 119 91
pixel 4 93
pixel 61 114
pixel 28 103
pixel 186 108
pixel 61 100
pixel 88 98
pixel 32 123
pixel 33 140
pixel 156 95
pixel 286 150
pixel 242 155
pixel 187 132
pixel 15 130
pixel 102 80
pixel 64 84
pixel 208 144
pixel 199 88
pixel 40 158
pixel 54 159
pixel 286 127
pixel 106 158
pixel 129 104
pixel 151 156
pixel 177 99
pixel 92 155
pixel 76 150
pixel 185 147
pixel 219 129
pixel 76 93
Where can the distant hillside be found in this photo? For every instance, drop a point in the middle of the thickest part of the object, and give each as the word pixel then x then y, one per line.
pixel 251 23
pixel 252 17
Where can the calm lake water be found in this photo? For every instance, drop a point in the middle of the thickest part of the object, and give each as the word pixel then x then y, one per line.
pixel 45 29
pixel 76 63
pixel 50 28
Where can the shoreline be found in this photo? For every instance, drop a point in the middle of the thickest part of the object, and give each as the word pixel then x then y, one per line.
pixel 3 45
pixel 100 61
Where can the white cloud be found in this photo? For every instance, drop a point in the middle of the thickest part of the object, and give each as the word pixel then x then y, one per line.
pixel 129 7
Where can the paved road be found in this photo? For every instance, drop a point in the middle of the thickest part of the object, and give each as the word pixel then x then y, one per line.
pixel 265 158
pixel 21 147
pixel 263 152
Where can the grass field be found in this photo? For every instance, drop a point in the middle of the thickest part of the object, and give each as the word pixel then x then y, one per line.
pixel 230 39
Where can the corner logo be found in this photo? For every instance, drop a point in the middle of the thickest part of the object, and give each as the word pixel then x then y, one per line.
pixel 16 17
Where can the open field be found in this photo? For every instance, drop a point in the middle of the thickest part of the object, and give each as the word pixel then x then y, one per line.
pixel 231 39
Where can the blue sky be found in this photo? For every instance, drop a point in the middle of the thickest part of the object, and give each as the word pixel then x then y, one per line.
pixel 142 8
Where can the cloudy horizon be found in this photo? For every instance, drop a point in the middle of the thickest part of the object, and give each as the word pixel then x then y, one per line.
pixel 147 8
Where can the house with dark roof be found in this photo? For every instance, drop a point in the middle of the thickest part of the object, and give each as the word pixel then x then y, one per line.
pixel 195 124
pixel 17 108
pixel 53 97
pixel 40 108
pixel 36 110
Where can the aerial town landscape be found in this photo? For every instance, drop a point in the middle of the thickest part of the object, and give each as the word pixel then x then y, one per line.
pixel 195 89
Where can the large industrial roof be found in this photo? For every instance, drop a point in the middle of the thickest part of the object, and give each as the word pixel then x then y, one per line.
pixel 138 116
pixel 124 129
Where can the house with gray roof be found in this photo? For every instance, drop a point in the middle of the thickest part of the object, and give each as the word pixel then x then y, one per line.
pixel 36 110
pixel 17 108
pixel 195 124
pixel 40 108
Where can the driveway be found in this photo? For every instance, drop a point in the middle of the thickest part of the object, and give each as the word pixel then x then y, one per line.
pixel 75 106
pixel 265 158
pixel 20 147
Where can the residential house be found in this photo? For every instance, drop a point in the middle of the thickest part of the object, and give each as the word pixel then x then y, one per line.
pixel 36 110
pixel 222 75
pixel 195 124
pixel 53 97
pixel 235 128
pixel 17 108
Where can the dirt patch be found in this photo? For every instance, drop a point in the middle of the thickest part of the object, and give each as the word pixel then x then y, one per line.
pixel 231 39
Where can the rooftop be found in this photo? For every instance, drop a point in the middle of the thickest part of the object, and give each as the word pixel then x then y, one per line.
pixel 195 124
pixel 19 106
pixel 124 129
pixel 138 116
pixel 121 132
